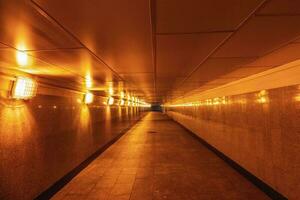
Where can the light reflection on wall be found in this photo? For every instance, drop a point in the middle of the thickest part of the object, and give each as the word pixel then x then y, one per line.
pixel 261 97
pixel 85 118
pixel 108 120
pixel 88 80
pixel 120 112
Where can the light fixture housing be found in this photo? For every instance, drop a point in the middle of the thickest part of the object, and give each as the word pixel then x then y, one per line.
pixel 88 98
pixel 23 88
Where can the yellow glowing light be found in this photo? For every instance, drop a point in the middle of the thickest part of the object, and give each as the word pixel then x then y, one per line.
pixel 146 106
pixel 110 101
pixel 122 102
pixel 88 81
pixel 22 58
pixel 224 100
pixel 24 88
pixel 110 91
pixel 216 101
pixel 122 94
pixel 89 97
pixel 262 100
pixel 209 102
pixel 262 97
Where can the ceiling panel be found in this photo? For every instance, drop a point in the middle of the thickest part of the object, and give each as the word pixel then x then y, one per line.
pixel 178 55
pixel 117 31
pixel 39 68
pixel 80 62
pixel 25 29
pixel 33 66
pixel 197 16
pixel 139 81
pixel 216 67
pixel 281 7
pixel 244 72
pixel 261 35
pixel 167 83
pixel 279 57
pixel 211 72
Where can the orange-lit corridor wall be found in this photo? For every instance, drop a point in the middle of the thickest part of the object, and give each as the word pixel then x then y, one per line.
pixel 44 138
pixel 258 129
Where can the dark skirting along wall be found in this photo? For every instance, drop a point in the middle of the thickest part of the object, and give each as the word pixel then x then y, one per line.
pixel 43 139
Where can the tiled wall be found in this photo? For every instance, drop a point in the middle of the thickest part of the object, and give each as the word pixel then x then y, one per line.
pixel 44 138
pixel 259 130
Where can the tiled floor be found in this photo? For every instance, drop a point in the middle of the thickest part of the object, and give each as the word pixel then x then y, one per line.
pixel 158 159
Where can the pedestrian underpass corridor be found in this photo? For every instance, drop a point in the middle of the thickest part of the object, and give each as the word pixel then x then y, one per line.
pixel 158 159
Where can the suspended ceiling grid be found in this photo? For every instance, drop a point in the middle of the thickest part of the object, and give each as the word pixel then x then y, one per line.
pixel 158 50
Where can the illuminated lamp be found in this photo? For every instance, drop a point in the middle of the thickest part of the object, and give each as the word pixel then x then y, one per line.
pixel 23 88
pixel 122 102
pixel 122 94
pixel 22 58
pixel 88 98
pixel 110 101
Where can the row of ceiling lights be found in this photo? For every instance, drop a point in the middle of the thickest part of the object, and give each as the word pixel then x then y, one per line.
pixel 130 101
pixel 25 88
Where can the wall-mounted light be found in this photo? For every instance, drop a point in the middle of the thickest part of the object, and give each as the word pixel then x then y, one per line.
pixel 22 58
pixel 122 94
pixel 88 81
pixel 262 97
pixel 122 102
pixel 88 98
pixel 110 90
pixel 23 88
pixel 110 101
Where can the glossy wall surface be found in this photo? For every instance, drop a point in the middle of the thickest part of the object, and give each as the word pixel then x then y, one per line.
pixel 44 138
pixel 259 130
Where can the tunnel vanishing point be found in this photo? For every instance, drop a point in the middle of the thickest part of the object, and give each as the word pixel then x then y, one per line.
pixel 149 99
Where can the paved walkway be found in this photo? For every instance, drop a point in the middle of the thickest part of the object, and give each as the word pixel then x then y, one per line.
pixel 158 159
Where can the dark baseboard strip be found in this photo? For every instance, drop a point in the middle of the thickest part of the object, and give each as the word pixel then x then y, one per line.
pixel 52 190
pixel 268 190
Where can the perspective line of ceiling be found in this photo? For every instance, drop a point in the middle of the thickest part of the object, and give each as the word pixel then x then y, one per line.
pixel 231 34
pixel 53 20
